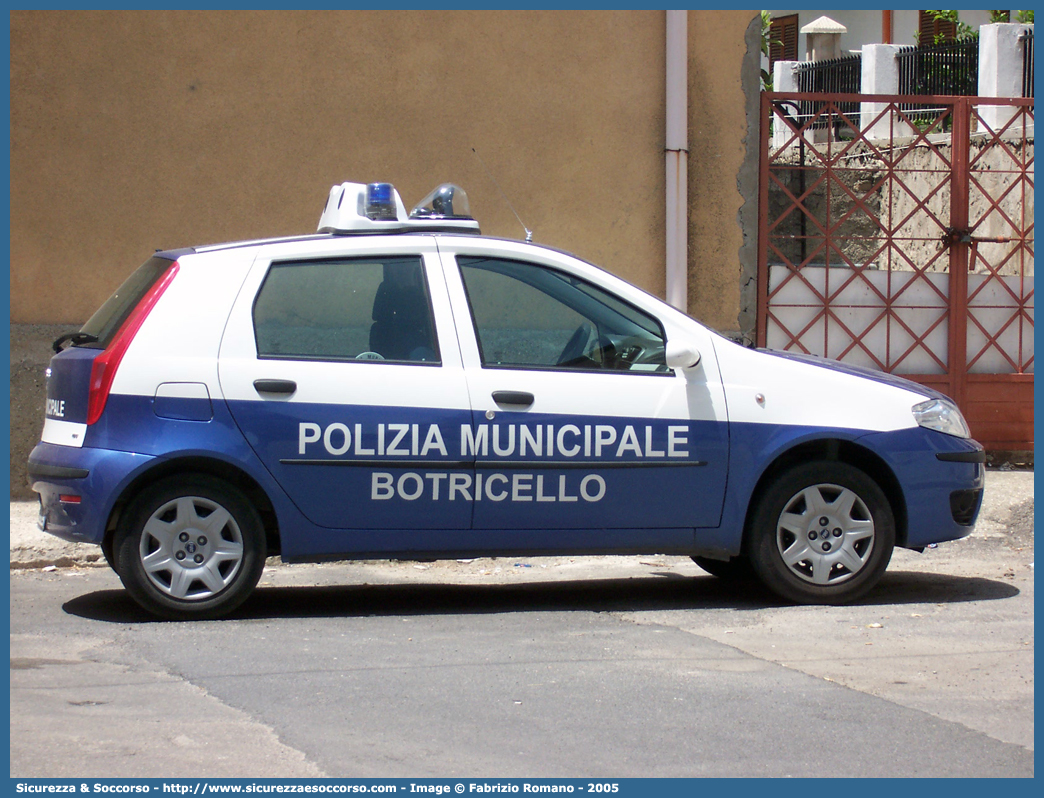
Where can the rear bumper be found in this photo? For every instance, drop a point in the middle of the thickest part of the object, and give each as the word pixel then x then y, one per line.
pixel 59 474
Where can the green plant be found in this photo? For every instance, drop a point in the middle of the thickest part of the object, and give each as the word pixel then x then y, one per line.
pixel 1025 17
pixel 965 32
pixel 938 74
pixel 766 47
pixel 1000 16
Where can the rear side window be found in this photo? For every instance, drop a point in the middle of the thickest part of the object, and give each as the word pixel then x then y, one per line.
pixel 108 319
pixel 369 309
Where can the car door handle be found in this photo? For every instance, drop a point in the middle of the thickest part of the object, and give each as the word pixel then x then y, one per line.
pixel 275 386
pixel 523 398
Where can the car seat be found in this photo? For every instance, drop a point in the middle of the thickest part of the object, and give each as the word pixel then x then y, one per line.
pixel 401 328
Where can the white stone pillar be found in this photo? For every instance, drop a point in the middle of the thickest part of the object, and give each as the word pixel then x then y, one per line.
pixel 1000 69
pixel 880 76
pixel 823 39
pixel 784 78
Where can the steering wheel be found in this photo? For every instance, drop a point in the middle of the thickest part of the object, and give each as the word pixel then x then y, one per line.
pixel 574 348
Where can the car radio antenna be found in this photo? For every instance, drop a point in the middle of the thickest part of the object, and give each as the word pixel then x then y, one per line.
pixel 529 233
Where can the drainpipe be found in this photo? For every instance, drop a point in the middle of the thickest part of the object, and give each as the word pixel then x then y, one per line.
pixel 677 153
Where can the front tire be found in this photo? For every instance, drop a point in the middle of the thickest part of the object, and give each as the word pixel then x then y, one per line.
pixel 822 533
pixel 190 547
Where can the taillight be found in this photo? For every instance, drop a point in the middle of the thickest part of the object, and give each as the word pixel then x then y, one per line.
pixel 103 369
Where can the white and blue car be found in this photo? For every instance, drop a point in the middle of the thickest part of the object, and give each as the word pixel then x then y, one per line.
pixel 399 386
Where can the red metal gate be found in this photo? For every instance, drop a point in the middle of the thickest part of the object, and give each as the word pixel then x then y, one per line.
pixel 897 233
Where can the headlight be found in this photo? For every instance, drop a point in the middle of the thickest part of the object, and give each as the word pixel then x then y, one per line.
pixel 941 415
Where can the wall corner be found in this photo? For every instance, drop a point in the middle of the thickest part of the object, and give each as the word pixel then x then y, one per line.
pixel 747 182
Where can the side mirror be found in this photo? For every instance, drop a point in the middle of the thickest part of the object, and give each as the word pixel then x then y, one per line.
pixel 682 355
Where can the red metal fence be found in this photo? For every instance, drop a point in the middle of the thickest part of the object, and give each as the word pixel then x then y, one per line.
pixel 901 239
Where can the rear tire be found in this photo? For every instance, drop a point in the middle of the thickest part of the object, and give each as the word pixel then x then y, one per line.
pixel 109 553
pixel 822 533
pixel 190 547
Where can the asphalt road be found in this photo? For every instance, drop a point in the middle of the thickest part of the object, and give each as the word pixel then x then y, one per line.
pixel 582 667
pixel 368 670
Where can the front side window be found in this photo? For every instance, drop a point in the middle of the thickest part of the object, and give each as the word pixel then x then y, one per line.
pixel 368 309
pixel 528 316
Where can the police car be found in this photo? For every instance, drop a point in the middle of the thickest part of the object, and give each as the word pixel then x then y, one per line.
pixel 399 386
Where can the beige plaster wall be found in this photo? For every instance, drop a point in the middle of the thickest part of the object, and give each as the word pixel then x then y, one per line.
pixel 718 141
pixel 132 131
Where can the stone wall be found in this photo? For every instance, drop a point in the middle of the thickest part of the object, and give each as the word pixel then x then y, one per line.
pixel 921 175
pixel 900 318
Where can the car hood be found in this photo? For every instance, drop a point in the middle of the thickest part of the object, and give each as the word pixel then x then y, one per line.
pixel 858 371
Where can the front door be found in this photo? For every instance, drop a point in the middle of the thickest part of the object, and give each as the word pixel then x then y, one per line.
pixel 582 436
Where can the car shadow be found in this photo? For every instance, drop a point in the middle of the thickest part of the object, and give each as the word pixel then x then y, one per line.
pixel 655 592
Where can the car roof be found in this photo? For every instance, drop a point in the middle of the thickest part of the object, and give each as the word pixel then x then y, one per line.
pixel 174 254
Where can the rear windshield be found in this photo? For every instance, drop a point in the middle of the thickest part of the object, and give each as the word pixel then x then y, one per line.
pixel 110 316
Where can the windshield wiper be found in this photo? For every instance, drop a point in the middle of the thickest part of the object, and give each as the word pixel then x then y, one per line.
pixel 78 338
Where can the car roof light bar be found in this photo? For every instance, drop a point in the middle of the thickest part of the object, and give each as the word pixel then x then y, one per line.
pixel 374 208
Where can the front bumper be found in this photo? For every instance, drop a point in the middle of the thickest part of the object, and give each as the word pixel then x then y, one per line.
pixel 942 479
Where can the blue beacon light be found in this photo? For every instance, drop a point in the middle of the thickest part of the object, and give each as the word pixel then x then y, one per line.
pixel 380 202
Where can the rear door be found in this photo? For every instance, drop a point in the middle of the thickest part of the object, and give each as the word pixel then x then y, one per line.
pixel 343 371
